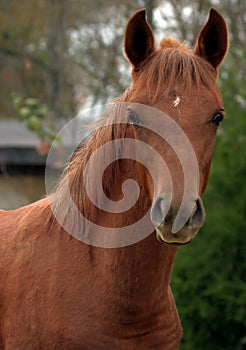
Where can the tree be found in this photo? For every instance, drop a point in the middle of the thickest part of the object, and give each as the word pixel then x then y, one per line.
pixel 32 50
pixel 64 52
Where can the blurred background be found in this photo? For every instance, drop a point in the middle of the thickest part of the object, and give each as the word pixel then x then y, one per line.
pixel 58 57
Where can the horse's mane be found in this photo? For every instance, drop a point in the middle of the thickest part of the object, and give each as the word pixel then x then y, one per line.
pixel 101 133
pixel 172 67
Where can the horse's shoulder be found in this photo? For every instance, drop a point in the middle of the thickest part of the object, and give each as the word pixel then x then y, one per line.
pixel 20 226
pixel 19 223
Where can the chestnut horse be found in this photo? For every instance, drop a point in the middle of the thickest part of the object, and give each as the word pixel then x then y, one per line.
pixel 58 292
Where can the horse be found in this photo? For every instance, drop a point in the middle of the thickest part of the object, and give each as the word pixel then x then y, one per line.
pixel 58 289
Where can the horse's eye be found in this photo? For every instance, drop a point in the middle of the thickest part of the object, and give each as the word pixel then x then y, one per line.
pixel 217 118
pixel 133 118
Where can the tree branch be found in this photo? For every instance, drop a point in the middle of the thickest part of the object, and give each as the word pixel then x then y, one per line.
pixel 14 53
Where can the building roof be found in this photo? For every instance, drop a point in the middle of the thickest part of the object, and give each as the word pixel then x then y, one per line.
pixel 13 133
pixel 18 144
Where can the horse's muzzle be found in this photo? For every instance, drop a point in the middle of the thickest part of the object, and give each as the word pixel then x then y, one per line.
pixel 163 221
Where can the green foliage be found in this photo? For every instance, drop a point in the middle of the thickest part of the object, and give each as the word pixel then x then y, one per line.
pixel 34 114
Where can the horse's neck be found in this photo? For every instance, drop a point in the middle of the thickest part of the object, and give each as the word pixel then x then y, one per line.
pixel 133 283
pixel 139 272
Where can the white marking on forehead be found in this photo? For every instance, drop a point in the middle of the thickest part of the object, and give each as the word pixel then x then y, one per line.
pixel 176 102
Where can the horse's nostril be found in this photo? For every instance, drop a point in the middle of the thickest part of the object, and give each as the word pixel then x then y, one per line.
pixel 156 214
pixel 159 210
pixel 198 216
pixel 162 213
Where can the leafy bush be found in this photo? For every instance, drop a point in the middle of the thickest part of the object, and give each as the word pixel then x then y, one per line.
pixel 35 115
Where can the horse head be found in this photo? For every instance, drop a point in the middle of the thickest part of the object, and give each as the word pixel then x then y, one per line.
pixel 179 84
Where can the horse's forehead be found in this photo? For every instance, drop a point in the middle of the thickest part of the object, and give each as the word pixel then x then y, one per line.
pixel 176 101
pixel 184 106
pixel 192 95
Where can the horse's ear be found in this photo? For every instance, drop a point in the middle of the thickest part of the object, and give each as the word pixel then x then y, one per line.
pixel 212 42
pixel 139 39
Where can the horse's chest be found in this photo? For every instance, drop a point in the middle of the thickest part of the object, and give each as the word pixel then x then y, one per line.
pixel 82 331
pixel 105 332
